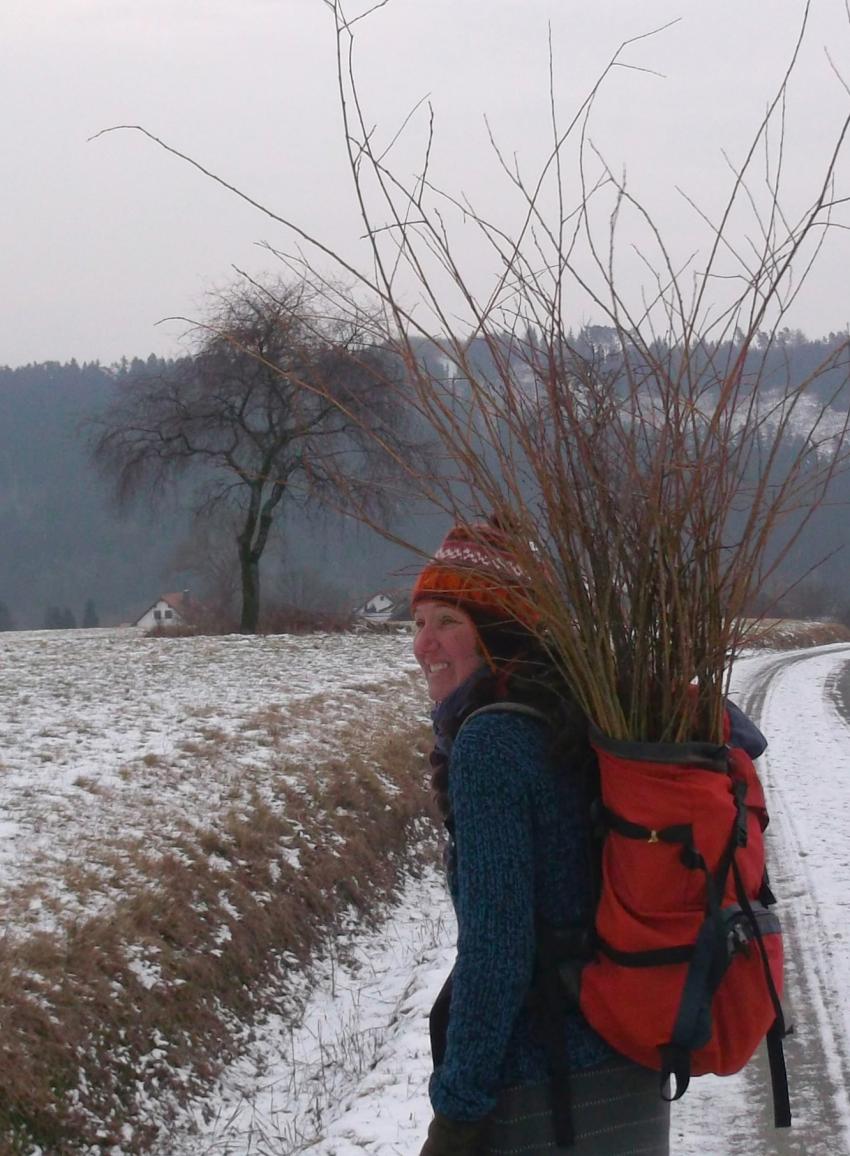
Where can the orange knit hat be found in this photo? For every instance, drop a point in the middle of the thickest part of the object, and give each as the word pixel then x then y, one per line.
pixel 475 569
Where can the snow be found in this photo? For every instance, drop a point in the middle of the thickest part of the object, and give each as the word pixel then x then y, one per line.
pixel 108 736
pixel 378 1007
pixel 105 731
pixel 351 1077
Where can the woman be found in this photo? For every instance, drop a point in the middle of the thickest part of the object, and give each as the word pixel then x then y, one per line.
pixel 512 787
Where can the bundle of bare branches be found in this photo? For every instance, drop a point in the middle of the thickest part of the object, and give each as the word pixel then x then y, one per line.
pixel 651 484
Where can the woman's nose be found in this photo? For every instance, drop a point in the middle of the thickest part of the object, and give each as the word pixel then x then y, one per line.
pixel 425 639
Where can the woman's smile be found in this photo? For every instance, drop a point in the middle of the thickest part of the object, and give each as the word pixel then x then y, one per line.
pixel 446 646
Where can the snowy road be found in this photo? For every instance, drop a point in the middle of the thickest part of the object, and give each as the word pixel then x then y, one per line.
pixel 797 701
pixel 353 1078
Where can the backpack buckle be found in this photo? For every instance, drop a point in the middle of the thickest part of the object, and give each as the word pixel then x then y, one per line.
pixel 737 940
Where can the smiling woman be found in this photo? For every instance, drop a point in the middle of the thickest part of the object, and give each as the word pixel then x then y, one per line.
pixel 518 1067
pixel 446 646
pixel 509 780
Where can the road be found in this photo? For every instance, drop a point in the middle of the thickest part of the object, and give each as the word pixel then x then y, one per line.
pixel 778 693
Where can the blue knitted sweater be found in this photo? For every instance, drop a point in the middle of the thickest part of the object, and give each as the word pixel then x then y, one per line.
pixel 518 853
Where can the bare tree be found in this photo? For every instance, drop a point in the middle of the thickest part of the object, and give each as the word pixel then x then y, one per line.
pixel 277 403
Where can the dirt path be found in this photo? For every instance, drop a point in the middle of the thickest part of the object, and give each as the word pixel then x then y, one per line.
pixel 818 1052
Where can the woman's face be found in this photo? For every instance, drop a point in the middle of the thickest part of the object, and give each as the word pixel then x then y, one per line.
pixel 445 645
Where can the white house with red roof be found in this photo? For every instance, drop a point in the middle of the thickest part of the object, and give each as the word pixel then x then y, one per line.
pixel 168 610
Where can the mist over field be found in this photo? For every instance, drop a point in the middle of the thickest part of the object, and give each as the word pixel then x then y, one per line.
pixel 65 542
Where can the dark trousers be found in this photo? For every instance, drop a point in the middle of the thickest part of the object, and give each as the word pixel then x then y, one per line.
pixel 616 1111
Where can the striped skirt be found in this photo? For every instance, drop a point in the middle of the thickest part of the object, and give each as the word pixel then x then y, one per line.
pixel 616 1111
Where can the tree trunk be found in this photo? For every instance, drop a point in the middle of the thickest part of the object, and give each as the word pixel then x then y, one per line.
pixel 249 569
pixel 251 542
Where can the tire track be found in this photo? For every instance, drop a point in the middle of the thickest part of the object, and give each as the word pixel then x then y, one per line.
pixel 818 1051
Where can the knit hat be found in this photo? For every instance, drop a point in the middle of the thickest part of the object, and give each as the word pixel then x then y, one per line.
pixel 475 569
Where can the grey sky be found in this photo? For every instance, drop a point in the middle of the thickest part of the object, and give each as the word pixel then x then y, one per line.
pixel 101 239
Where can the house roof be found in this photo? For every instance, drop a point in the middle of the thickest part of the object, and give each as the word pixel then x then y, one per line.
pixel 396 598
pixel 175 601
pixel 178 601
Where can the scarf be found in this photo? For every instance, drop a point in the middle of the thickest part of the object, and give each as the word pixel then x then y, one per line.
pixel 450 712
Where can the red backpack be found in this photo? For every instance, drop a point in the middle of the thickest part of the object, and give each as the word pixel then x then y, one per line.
pixel 682 970
pixel 686 977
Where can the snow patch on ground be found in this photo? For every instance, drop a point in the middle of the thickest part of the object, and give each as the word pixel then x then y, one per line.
pixel 352 1077
pixel 110 739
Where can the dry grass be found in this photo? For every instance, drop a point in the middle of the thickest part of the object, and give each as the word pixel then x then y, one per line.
pixel 793 634
pixel 275 618
pixel 185 630
pixel 142 1004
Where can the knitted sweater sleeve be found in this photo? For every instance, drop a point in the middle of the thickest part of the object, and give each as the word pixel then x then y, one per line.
pixel 492 768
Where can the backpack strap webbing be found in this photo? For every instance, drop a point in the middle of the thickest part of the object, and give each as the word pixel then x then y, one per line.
pixel 553 1017
pixel 779 1029
pixel 561 953
pixel 778 1075
pixel 505 707
pixel 550 993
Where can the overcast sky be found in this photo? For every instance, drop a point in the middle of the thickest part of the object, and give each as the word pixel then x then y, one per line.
pixel 101 239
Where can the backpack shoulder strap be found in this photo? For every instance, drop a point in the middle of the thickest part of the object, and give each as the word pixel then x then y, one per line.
pixel 507 708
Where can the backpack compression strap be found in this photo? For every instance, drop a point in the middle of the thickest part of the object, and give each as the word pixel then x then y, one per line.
pixel 779 1030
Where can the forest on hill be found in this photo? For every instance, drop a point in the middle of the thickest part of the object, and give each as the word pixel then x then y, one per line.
pixel 70 556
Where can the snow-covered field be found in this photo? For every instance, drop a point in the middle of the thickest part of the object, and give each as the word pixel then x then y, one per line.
pixel 108 735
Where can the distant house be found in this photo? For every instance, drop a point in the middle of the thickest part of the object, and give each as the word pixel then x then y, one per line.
pixel 168 610
pixel 385 606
